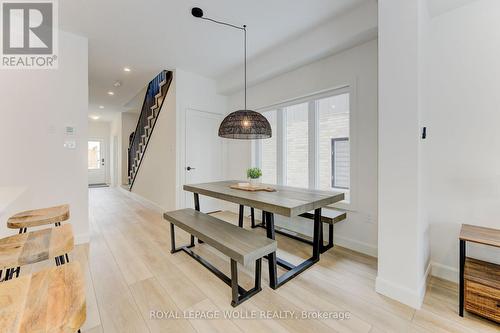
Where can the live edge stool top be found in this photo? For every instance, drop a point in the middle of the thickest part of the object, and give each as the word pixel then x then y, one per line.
pixel 35 246
pixel 49 301
pixel 38 217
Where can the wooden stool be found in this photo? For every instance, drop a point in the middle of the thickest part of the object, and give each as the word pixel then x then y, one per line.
pixel 38 217
pixel 52 300
pixel 29 248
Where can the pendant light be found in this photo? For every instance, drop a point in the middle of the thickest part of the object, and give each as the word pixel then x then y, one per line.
pixel 242 124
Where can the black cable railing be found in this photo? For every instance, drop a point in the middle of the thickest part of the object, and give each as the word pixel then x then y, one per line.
pixel 155 87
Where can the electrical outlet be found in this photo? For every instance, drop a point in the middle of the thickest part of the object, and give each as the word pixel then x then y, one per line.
pixel 370 219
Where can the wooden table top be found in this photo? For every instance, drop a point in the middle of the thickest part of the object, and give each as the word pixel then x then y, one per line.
pixel 35 246
pixel 286 201
pixel 481 235
pixel 37 217
pixel 52 300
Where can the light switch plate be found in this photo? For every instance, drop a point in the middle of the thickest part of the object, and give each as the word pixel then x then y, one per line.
pixel 70 130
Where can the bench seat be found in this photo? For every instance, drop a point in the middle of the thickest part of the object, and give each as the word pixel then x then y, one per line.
pixel 330 216
pixel 239 244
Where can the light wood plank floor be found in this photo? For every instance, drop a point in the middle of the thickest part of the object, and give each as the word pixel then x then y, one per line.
pixel 130 272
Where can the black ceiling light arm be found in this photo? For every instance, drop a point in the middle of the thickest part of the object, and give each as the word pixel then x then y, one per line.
pixel 241 124
pixel 198 12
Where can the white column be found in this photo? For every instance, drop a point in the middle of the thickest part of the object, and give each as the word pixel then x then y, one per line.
pixel 402 251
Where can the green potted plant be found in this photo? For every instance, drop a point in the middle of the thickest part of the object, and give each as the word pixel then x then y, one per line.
pixel 254 175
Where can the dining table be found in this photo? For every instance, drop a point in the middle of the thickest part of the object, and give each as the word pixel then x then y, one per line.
pixel 282 200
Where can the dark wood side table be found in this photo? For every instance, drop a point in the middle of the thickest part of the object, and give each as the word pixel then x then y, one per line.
pixel 479 280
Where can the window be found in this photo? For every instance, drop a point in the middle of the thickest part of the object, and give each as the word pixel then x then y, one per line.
pixel 333 128
pixel 269 152
pixel 94 155
pixel 297 145
pixel 340 163
pixel 311 145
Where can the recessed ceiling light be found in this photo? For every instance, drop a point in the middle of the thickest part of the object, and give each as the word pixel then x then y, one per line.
pixel 333 106
pixel 95 117
pixel 127 69
pixel 110 93
pixel 101 106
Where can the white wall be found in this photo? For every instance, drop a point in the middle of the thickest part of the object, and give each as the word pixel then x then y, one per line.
pixel 194 92
pixel 35 107
pixel 462 150
pixel 101 130
pixel 358 65
pixel 115 129
pixel 162 173
pixel 156 178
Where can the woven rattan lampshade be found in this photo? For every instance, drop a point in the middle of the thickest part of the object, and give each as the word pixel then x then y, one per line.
pixel 245 124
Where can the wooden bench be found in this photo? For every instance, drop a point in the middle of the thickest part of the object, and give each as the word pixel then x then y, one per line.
pixel 328 216
pixel 240 245
pixel 52 300
pixel 32 247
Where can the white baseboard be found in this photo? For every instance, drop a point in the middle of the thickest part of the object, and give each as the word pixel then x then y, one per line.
pixel 425 280
pixel 142 200
pixel 356 245
pixel 445 272
pixel 413 298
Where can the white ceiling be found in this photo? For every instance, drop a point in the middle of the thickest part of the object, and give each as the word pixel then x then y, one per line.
pixel 151 35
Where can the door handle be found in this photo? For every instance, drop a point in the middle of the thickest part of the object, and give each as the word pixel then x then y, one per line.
pixel 189 168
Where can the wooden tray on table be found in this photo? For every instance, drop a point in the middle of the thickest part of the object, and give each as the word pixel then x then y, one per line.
pixel 252 188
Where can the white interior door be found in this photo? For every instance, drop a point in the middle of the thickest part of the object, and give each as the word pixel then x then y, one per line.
pixel 96 161
pixel 203 154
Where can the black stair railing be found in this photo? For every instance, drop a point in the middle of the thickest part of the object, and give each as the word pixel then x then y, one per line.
pixel 159 84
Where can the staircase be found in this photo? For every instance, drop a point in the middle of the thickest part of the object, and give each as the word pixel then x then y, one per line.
pixel 151 107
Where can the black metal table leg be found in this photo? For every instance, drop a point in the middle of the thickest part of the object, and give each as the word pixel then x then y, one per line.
pixel 275 281
pixel 240 216
pixel 328 246
pixel 316 234
pixel 271 258
pixel 252 217
pixel 234 282
pixel 462 266
pixel 196 207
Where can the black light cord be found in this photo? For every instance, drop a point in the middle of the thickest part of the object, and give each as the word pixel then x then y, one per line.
pixel 223 23
pixel 244 28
